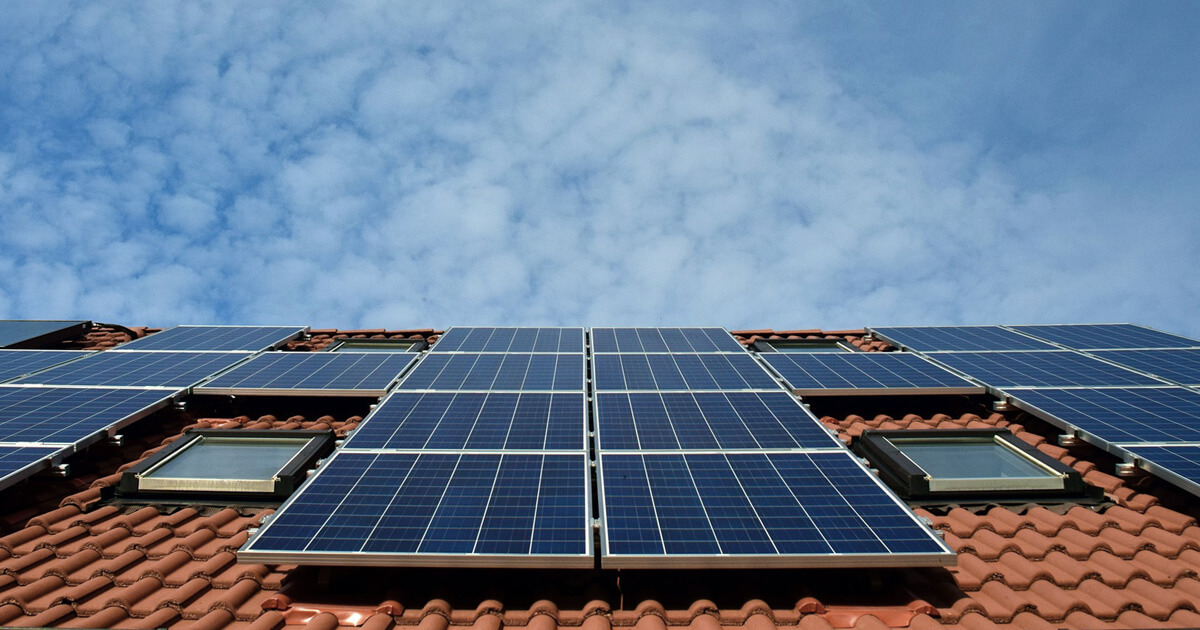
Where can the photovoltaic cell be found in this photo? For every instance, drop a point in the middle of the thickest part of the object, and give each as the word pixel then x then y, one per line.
pixel 220 338
pixel 367 373
pixel 14 331
pixel 755 509
pixel 1181 366
pixel 1121 415
pixel 707 421
pixel 436 509
pixel 497 372
pixel 639 340
pixel 18 363
pixel 1107 336
pixel 69 415
pixel 137 369
pixel 18 462
pixel 630 372
pixel 478 421
pixel 947 338
pixel 863 372
pixel 481 339
pixel 1041 369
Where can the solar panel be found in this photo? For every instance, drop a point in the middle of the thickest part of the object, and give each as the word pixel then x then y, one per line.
pixel 19 332
pixel 435 509
pixel 491 339
pixel 661 372
pixel 713 420
pixel 1178 463
pixel 137 369
pixel 19 462
pixel 18 363
pixel 638 340
pixel 65 415
pixel 754 510
pixel 864 373
pixel 481 421
pixel 951 338
pixel 324 373
pixel 497 372
pixel 1181 366
pixel 1119 415
pixel 1107 336
pixel 1041 369
pixel 216 338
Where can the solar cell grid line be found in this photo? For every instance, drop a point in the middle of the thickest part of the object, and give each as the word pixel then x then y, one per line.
pixel 70 415
pixel 435 509
pixel 474 421
pixel 17 363
pixel 18 462
pixel 496 372
pixel 778 509
pixel 1106 336
pixel 1115 416
pixel 1177 463
pixel 506 340
pixel 137 369
pixel 1180 366
pixel 652 340
pixel 956 338
pixel 863 373
pixel 215 338
pixel 1054 368
pixel 666 372
pixel 706 420
pixel 327 373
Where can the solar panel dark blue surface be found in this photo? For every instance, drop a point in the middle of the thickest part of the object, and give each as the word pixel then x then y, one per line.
pixel 488 339
pixel 17 363
pixel 947 338
pixel 320 372
pixel 475 421
pixel 1041 369
pixel 1115 416
pixel 436 509
pixel 220 338
pixel 661 372
pixel 1181 366
pixel 1178 462
pixel 18 462
pixel 864 371
pixel 1107 336
pixel 499 372
pixel 137 369
pixel 14 331
pixel 69 415
pixel 713 420
pixel 637 340
pixel 755 509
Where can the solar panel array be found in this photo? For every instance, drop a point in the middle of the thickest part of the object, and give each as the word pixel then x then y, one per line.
pixel 863 373
pixel 1179 366
pixel 959 338
pixel 17 363
pixel 176 370
pixel 1054 368
pixel 216 338
pixel 312 373
pixel 15 331
pixel 1106 336
pixel 478 458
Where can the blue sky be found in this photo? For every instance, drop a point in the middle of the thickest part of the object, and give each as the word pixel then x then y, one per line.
pixel 739 164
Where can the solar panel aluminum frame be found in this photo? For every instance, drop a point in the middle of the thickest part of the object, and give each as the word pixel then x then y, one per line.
pixel 250 391
pixel 132 345
pixel 54 457
pixel 774 561
pixel 1153 468
pixel 885 391
pixel 586 560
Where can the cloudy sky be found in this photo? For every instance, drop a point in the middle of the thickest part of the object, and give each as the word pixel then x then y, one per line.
pixel 739 164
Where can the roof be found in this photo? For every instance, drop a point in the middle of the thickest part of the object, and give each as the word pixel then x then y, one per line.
pixel 71 556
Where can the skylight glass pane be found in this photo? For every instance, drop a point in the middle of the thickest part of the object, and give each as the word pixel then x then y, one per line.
pixel 229 458
pixel 976 459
